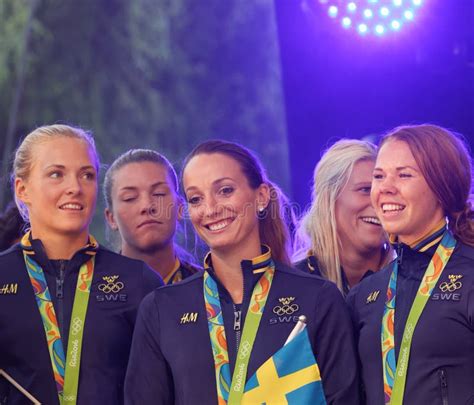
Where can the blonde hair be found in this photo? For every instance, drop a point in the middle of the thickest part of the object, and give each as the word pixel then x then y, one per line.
pixel 317 229
pixel 24 154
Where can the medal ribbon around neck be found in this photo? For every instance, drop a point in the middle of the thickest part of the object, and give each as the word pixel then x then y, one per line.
pixel 228 392
pixel 394 375
pixel 65 369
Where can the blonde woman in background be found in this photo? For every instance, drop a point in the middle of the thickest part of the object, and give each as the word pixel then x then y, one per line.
pixel 340 237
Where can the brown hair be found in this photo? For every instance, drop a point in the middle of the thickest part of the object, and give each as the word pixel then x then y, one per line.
pixel 445 162
pixel 274 222
pixel 135 156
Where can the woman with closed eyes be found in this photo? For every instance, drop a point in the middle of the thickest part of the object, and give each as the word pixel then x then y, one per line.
pixel 144 207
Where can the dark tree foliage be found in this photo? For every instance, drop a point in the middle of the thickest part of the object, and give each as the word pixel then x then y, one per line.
pixel 146 73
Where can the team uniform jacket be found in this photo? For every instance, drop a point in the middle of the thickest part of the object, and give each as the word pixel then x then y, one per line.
pixel 310 265
pixel 441 366
pixel 108 328
pixel 171 360
pixel 183 270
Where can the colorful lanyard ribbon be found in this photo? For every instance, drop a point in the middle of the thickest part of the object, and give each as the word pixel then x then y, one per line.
pixel 228 392
pixel 66 373
pixel 394 375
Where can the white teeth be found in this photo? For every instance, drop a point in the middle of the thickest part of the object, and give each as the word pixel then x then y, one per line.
pixel 392 207
pixel 219 225
pixel 71 207
pixel 372 220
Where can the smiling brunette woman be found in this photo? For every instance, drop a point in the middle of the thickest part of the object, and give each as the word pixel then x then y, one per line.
pixel 340 237
pixel 415 318
pixel 67 306
pixel 144 206
pixel 239 313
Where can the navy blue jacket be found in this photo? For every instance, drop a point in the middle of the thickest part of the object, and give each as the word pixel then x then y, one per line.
pixel 108 328
pixel 310 265
pixel 171 360
pixel 184 270
pixel 441 367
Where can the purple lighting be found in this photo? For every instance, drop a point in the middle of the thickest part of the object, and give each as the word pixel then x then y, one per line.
pixel 372 17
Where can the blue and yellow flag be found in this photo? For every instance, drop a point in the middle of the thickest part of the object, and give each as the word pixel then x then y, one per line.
pixel 290 376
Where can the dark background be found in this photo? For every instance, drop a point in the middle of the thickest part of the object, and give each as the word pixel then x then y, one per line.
pixel 338 84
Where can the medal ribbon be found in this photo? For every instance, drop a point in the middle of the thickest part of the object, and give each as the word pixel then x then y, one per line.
pixel 66 371
pixel 394 375
pixel 228 392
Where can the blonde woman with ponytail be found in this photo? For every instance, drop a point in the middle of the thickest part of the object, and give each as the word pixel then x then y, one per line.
pixel 227 334
pixel 340 237
pixel 67 305
pixel 415 318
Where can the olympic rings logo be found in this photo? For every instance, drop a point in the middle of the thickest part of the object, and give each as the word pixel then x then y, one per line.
pixel 244 349
pixel 69 398
pixel 111 286
pixel 450 287
pixel 76 326
pixel 286 309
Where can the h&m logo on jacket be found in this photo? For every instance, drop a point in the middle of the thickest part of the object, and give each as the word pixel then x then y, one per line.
pixel 448 289
pixel 111 289
pixel 9 288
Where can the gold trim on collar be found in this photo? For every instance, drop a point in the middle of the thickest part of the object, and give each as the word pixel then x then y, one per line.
pixel 177 264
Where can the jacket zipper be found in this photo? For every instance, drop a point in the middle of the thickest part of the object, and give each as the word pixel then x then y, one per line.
pixel 60 296
pixel 444 386
pixel 238 319
pixel 237 326
pixel 399 253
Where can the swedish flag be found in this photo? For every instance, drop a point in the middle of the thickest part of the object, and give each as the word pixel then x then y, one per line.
pixel 290 376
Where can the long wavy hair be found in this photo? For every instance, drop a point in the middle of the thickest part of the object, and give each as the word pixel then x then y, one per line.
pixel 317 228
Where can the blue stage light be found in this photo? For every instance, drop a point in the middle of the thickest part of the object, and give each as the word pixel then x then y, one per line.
pixel 332 11
pixel 368 13
pixel 362 28
pixel 372 17
pixel 408 14
pixel 346 22
pixel 395 25
pixel 379 29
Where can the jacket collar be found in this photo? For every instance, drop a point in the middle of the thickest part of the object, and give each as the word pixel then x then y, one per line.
pixel 256 265
pixel 252 270
pixel 425 242
pixel 35 249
